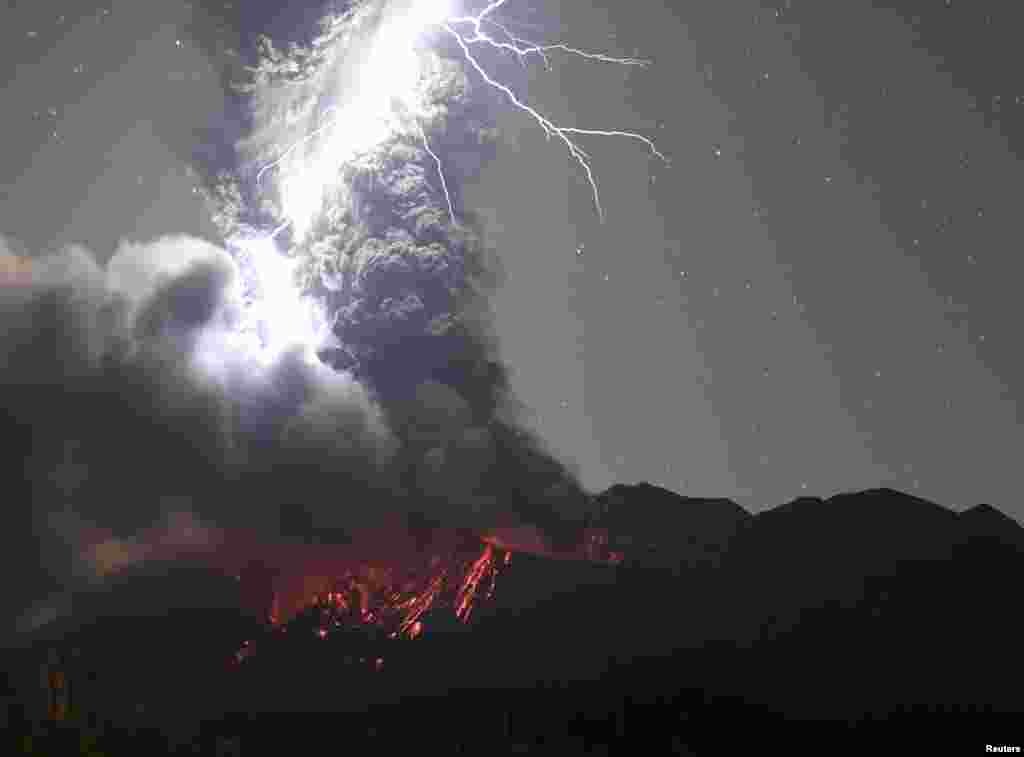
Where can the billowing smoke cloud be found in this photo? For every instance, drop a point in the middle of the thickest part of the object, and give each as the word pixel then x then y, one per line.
pixel 404 284
pixel 112 421
pixel 129 393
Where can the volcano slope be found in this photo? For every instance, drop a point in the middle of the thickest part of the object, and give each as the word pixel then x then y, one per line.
pixel 862 617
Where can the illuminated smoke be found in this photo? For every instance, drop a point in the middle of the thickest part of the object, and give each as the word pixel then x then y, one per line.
pixel 388 72
pixel 363 143
pixel 333 361
pixel 377 51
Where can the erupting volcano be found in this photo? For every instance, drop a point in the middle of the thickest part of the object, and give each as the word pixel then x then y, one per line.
pixel 382 582
pixel 379 599
pixel 457 573
pixel 372 279
pixel 395 581
pixel 271 453
pixel 324 373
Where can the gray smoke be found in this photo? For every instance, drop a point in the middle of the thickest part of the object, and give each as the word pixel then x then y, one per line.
pixel 113 416
pixel 405 286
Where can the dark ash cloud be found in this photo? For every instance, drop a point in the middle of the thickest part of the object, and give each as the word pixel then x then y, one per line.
pixel 123 399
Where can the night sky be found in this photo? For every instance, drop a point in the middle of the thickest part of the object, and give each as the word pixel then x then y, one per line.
pixel 819 295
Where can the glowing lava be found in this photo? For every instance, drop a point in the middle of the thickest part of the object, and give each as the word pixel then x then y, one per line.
pixel 387 578
pixel 393 597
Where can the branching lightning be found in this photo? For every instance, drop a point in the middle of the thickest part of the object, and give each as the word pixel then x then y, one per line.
pixel 431 13
pixel 522 48
pixel 387 89
pixel 550 127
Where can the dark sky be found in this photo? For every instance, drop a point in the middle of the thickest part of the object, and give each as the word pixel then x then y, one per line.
pixel 818 296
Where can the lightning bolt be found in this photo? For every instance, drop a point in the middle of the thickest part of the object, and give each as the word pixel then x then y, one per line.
pixel 521 48
pixel 550 127
pixel 440 171
pixel 281 158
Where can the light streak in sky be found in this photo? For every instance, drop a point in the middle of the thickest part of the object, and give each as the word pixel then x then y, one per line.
pixel 386 93
pixel 390 75
pixel 440 172
pixel 523 49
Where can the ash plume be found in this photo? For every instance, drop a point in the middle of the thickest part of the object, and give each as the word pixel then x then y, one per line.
pixel 131 393
pixel 404 284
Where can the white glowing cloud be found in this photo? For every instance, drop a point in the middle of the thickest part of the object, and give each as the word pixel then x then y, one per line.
pixel 378 90
pixel 282 317
pixel 386 77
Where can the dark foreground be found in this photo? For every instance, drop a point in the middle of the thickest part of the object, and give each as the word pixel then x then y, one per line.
pixel 876 621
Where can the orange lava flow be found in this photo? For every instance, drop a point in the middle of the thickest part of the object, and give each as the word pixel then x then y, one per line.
pixel 484 569
pixel 387 577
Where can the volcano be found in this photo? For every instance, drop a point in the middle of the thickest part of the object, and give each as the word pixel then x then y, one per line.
pixel 386 577
pixel 873 607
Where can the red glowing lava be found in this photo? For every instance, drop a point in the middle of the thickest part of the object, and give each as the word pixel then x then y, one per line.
pixel 386 578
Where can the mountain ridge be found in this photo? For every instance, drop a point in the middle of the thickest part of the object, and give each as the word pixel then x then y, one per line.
pixel 861 607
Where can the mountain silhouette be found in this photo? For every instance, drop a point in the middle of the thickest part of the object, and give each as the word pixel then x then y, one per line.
pixel 874 613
